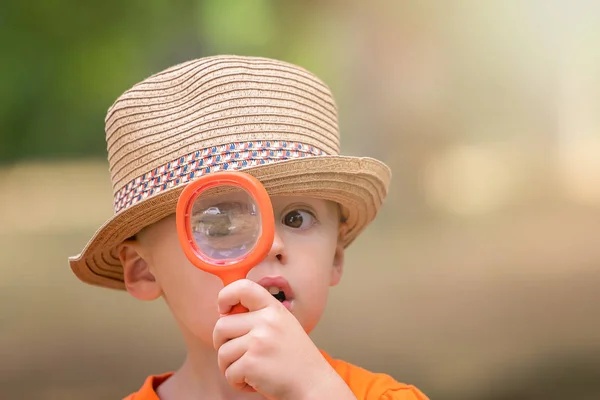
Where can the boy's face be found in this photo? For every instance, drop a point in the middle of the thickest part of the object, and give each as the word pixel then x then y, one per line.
pixel 305 253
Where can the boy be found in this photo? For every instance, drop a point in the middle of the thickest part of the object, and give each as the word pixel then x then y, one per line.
pixel 277 122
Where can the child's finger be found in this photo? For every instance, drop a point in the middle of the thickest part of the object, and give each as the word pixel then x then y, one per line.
pixel 231 351
pixel 231 327
pixel 236 375
pixel 250 294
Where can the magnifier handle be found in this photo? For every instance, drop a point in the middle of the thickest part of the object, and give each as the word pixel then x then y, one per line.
pixel 238 308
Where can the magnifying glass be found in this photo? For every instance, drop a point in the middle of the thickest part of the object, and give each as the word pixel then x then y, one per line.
pixel 225 225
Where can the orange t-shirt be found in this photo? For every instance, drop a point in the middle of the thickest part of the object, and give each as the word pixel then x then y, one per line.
pixel 364 384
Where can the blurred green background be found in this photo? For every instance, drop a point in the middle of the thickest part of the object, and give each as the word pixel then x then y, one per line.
pixel 480 278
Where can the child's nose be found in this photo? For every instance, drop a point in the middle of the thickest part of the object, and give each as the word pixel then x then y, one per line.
pixel 277 251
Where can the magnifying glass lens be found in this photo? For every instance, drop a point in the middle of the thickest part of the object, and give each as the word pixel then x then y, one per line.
pixel 225 226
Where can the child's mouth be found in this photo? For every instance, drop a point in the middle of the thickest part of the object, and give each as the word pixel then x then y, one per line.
pixel 277 293
pixel 280 289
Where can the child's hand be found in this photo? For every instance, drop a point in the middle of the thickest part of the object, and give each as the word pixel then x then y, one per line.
pixel 266 349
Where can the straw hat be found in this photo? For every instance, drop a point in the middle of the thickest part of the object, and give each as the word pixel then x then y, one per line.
pixel 273 120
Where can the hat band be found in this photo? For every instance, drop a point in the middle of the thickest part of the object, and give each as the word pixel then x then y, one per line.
pixel 232 156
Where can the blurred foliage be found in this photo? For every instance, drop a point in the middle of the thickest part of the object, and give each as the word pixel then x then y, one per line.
pixel 65 62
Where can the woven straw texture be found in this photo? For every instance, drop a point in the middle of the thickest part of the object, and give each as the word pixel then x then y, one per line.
pixel 271 119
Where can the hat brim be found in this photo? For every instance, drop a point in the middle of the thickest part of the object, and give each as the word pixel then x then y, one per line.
pixel 358 184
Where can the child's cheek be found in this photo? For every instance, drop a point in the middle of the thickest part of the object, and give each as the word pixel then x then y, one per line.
pixel 311 301
pixel 191 295
pixel 200 302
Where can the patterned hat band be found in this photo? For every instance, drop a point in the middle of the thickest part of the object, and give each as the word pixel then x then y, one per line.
pixel 231 156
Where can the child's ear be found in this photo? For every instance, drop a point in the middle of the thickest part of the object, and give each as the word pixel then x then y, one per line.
pixel 338 257
pixel 338 265
pixel 139 280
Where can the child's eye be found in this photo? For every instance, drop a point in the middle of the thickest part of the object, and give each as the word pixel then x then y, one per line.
pixel 299 219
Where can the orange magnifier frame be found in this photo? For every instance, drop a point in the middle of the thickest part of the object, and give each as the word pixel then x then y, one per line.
pixel 228 270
